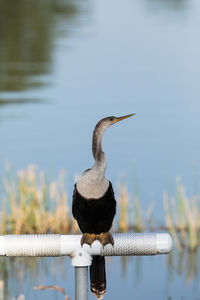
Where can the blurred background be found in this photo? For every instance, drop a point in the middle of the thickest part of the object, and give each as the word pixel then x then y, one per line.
pixel 66 64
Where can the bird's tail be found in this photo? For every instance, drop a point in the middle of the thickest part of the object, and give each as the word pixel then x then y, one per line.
pixel 98 277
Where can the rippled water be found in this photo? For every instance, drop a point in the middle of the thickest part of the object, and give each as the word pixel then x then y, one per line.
pixel 66 64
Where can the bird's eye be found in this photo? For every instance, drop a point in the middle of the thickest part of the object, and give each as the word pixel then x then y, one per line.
pixel 111 119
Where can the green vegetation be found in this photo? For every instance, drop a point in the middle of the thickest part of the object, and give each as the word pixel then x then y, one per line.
pixel 32 204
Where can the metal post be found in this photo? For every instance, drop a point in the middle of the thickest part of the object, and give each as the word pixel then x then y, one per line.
pixel 81 283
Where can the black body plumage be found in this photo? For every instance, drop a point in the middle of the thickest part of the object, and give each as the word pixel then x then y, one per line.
pixel 94 215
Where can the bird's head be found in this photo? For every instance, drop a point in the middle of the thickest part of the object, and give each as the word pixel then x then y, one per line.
pixel 101 126
pixel 112 120
pixel 108 121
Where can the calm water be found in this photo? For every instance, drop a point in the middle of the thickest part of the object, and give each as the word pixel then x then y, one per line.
pixel 157 277
pixel 63 66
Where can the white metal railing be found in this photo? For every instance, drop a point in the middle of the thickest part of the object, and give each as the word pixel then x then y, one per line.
pixel 81 257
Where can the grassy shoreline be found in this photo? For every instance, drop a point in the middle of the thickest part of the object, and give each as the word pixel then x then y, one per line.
pixel 33 204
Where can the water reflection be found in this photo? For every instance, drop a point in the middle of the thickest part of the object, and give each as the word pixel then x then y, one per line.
pixel 21 274
pixel 176 267
pixel 27 38
pixel 184 263
pixel 173 5
pixel 19 101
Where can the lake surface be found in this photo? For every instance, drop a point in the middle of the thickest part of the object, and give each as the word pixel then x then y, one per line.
pixel 64 65
pixel 155 277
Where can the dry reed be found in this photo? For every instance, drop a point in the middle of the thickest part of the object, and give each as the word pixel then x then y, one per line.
pixel 32 204
pixel 131 214
pixel 183 218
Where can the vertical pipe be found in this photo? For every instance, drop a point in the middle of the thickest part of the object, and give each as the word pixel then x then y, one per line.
pixel 81 283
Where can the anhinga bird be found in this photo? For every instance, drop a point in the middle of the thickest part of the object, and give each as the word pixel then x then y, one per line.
pixel 94 206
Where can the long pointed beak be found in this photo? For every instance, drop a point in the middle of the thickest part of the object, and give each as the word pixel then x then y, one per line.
pixel 122 118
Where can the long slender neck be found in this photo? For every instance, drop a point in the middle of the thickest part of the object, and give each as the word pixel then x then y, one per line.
pixel 99 155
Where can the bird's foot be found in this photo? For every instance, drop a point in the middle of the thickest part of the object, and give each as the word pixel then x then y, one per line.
pixel 105 238
pixel 88 238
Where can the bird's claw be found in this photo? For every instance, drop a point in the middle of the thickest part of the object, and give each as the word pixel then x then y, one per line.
pixel 106 238
pixel 88 238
